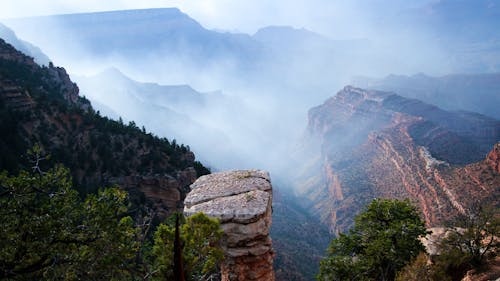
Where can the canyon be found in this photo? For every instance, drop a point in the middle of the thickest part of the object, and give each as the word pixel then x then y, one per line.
pixel 368 144
pixel 359 145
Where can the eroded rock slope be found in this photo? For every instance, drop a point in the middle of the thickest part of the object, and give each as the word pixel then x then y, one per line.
pixel 368 144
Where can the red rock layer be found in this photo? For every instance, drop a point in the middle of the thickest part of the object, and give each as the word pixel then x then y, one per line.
pixel 379 145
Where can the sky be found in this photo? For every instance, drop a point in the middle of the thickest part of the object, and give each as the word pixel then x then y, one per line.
pixel 324 16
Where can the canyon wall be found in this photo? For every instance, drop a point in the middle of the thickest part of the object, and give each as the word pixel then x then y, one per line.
pixel 378 144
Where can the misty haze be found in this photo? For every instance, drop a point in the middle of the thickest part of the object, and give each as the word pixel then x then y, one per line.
pixel 340 101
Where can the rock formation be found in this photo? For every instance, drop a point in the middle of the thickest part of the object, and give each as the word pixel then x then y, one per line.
pixel 378 144
pixel 493 158
pixel 165 192
pixel 242 201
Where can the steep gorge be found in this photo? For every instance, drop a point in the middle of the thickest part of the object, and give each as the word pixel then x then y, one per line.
pixel 377 144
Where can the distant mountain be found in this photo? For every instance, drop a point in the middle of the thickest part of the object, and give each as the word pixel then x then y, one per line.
pixel 364 144
pixel 287 38
pixel 472 92
pixel 28 49
pixel 176 110
pixel 180 97
pixel 144 33
pixel 146 103
pixel 41 105
pixel 169 47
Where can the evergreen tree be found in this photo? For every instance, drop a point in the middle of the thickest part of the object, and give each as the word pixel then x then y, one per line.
pixel 384 239
pixel 200 238
pixel 47 232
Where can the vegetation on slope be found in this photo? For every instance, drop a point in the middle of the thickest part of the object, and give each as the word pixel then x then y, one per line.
pixel 470 246
pixel 48 232
pixel 385 238
pixel 386 244
pixel 40 105
pixel 52 228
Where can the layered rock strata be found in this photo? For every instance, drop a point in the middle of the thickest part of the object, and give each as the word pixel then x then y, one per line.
pixel 369 144
pixel 242 201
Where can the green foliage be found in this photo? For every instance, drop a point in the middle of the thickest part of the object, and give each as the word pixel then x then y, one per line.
pixel 163 251
pixel 384 239
pixel 469 244
pixel 202 253
pixel 200 169
pixel 47 232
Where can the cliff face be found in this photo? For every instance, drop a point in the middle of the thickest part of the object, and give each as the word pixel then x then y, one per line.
pixel 493 158
pixel 378 144
pixel 242 201
pixel 41 105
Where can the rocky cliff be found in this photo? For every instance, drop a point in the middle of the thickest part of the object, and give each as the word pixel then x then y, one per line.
pixel 242 201
pixel 41 105
pixel 378 144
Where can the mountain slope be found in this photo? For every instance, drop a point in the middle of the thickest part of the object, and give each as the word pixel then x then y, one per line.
pixel 41 105
pixel 299 238
pixel 191 114
pixel 28 49
pixel 378 144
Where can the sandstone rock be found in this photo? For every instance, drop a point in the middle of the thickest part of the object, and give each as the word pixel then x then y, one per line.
pixel 431 241
pixel 224 184
pixel 164 192
pixel 242 201
pixel 242 208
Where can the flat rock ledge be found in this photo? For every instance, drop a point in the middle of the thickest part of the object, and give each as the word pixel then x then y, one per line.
pixel 242 201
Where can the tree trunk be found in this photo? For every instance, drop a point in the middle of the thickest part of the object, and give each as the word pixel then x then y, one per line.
pixel 178 262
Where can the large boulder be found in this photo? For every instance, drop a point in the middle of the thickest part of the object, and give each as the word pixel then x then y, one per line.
pixel 242 201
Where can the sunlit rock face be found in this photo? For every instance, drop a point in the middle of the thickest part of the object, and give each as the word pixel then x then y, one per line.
pixel 241 200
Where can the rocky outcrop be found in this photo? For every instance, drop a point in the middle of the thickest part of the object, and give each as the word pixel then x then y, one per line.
pixel 68 89
pixel 493 158
pixel 14 96
pixel 30 50
pixel 242 201
pixel 9 53
pixel 165 193
pixel 378 144
pixel 56 79
pixel 492 272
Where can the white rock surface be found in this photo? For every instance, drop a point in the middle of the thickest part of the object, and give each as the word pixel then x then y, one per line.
pixel 242 201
